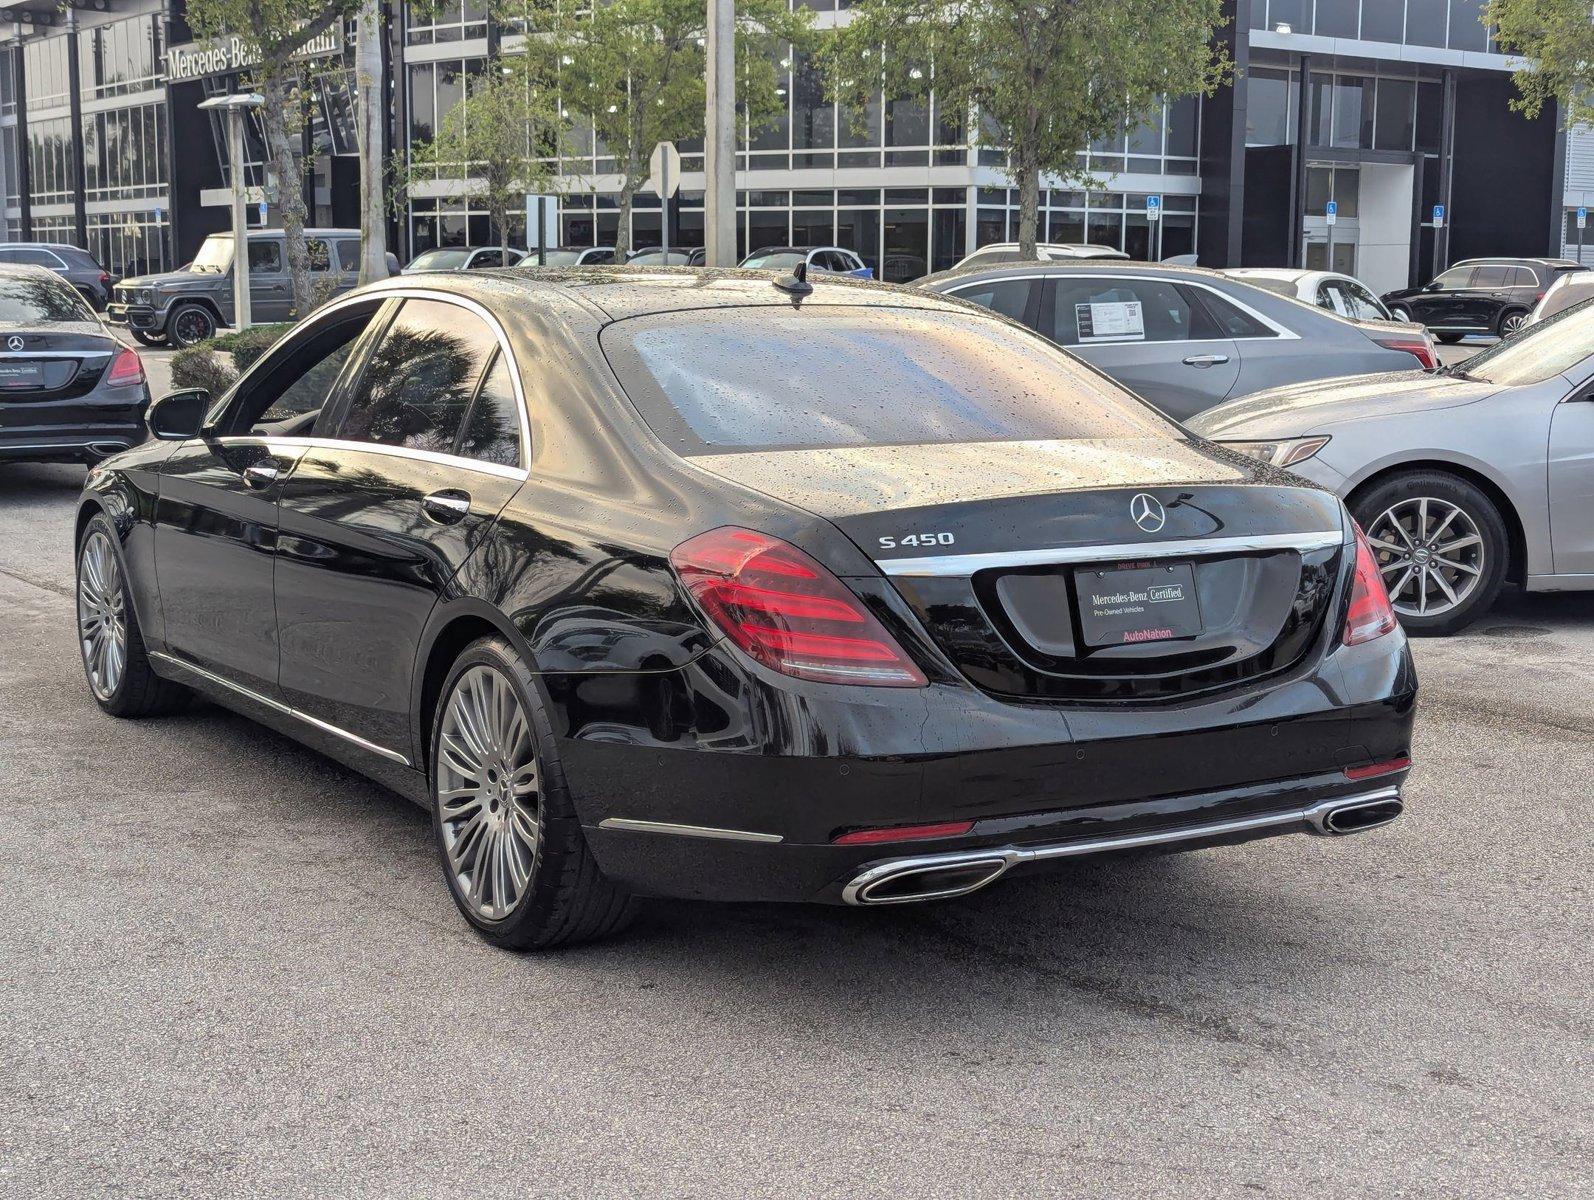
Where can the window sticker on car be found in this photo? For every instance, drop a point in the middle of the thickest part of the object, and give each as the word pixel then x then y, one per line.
pixel 1116 321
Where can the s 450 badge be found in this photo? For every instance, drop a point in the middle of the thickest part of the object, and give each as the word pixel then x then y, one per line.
pixel 917 540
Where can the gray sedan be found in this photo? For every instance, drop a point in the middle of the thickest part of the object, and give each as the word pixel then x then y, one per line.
pixel 1463 479
pixel 1182 337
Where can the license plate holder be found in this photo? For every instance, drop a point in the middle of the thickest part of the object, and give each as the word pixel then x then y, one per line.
pixel 1130 603
pixel 21 376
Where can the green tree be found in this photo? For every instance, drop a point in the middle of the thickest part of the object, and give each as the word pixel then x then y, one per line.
pixel 633 70
pixel 274 32
pixel 1046 77
pixel 1556 37
pixel 497 139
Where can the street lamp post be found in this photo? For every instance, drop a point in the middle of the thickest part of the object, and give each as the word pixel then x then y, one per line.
pixel 236 105
pixel 719 144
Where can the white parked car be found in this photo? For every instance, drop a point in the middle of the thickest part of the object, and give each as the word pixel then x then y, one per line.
pixel 1574 287
pixel 1007 252
pixel 1343 294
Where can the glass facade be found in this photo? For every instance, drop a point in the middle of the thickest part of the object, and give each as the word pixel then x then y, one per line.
pixel 1441 24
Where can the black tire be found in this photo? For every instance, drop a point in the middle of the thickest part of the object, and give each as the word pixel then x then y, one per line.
pixel 138 692
pixel 148 339
pixel 189 324
pixel 1450 339
pixel 566 900
pixel 1477 507
pixel 1511 321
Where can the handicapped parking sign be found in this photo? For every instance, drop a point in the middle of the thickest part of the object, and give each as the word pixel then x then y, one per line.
pixel 1153 208
pixel 1331 212
pixel 1438 216
pixel 1582 218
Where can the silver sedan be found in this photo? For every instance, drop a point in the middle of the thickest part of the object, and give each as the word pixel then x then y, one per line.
pixel 1463 479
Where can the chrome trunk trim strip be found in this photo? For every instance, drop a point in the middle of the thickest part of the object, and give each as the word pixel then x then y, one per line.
pixel 963 565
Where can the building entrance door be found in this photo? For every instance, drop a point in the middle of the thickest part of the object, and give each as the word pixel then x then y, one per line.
pixel 1331 253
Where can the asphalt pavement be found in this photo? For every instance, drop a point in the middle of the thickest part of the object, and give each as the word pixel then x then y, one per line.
pixel 229 967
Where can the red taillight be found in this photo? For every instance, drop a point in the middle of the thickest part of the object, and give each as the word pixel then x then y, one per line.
pixel 1372 770
pixel 105 277
pixel 787 611
pixel 1370 614
pixel 1419 348
pixel 126 369
pixel 903 833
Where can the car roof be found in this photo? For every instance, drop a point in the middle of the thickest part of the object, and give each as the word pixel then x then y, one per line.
pixel 1500 258
pixel 622 292
pixel 1077 266
pixel 29 271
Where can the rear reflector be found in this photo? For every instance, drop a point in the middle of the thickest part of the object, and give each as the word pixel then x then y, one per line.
pixel 1372 770
pixel 126 369
pixel 1370 614
pixel 1419 348
pixel 903 833
pixel 784 609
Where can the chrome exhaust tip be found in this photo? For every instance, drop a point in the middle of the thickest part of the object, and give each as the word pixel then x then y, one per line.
pixel 909 881
pixel 106 449
pixel 1357 816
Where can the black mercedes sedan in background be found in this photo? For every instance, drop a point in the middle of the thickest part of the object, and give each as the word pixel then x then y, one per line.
pixel 702 584
pixel 69 390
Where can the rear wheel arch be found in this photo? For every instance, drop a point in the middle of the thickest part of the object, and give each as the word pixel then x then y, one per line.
pixel 454 630
pixel 1516 567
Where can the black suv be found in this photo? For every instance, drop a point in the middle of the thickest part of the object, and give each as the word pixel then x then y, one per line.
pixel 1480 295
pixel 76 266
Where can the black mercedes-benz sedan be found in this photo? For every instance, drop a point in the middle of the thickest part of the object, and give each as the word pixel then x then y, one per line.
pixel 69 390
pixel 711 585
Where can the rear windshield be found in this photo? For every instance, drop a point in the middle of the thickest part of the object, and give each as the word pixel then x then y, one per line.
pixel 30 300
pixel 1540 351
pixel 771 260
pixel 740 379
pixel 440 260
pixel 1279 287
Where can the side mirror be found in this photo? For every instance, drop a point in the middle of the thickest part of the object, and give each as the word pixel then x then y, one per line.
pixel 178 416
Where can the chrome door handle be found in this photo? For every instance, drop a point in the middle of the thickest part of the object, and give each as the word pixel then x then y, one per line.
pixel 447 507
pixel 261 474
pixel 1206 360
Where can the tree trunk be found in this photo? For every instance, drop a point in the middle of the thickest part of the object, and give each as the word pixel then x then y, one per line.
pixel 368 99
pixel 622 235
pixel 279 92
pixel 1028 178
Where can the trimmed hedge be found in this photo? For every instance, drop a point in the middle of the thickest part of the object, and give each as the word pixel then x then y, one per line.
pixel 201 367
pixel 246 345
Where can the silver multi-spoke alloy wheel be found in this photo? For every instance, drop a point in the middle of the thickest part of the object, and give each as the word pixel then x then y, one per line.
pixel 1512 323
pixel 488 793
pixel 101 614
pixel 1431 555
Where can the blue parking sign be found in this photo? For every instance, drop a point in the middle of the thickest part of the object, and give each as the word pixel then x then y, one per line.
pixel 1331 212
pixel 1153 208
pixel 1439 216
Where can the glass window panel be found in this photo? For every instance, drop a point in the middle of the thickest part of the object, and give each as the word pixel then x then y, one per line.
pixel 1297 13
pixel 1320 129
pixel 1337 18
pixel 1270 110
pixel 1319 189
pixel 1430 115
pixel 1349 126
pixel 1467 31
pixel 1397 99
pixel 1426 21
pixel 1384 20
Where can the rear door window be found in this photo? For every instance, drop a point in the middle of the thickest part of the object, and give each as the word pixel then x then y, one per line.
pixel 1092 311
pixel 1010 297
pixel 1232 321
pixel 416 387
pixel 348 253
pixel 1490 275
pixel 320 254
pixel 765 378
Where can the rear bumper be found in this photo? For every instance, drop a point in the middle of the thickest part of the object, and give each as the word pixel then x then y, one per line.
pixel 715 783
pixel 86 429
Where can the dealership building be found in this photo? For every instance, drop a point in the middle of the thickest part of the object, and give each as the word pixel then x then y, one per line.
pixel 1403 118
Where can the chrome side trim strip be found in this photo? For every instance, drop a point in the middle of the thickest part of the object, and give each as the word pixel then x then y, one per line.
pixel 962 565
pixel 447 460
pixel 701 831
pixel 1010 856
pixel 285 709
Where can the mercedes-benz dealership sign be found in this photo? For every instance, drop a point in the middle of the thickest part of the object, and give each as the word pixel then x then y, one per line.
pixel 195 60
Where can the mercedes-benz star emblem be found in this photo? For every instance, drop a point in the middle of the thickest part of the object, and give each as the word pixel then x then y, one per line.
pixel 1147 512
pixel 14 342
